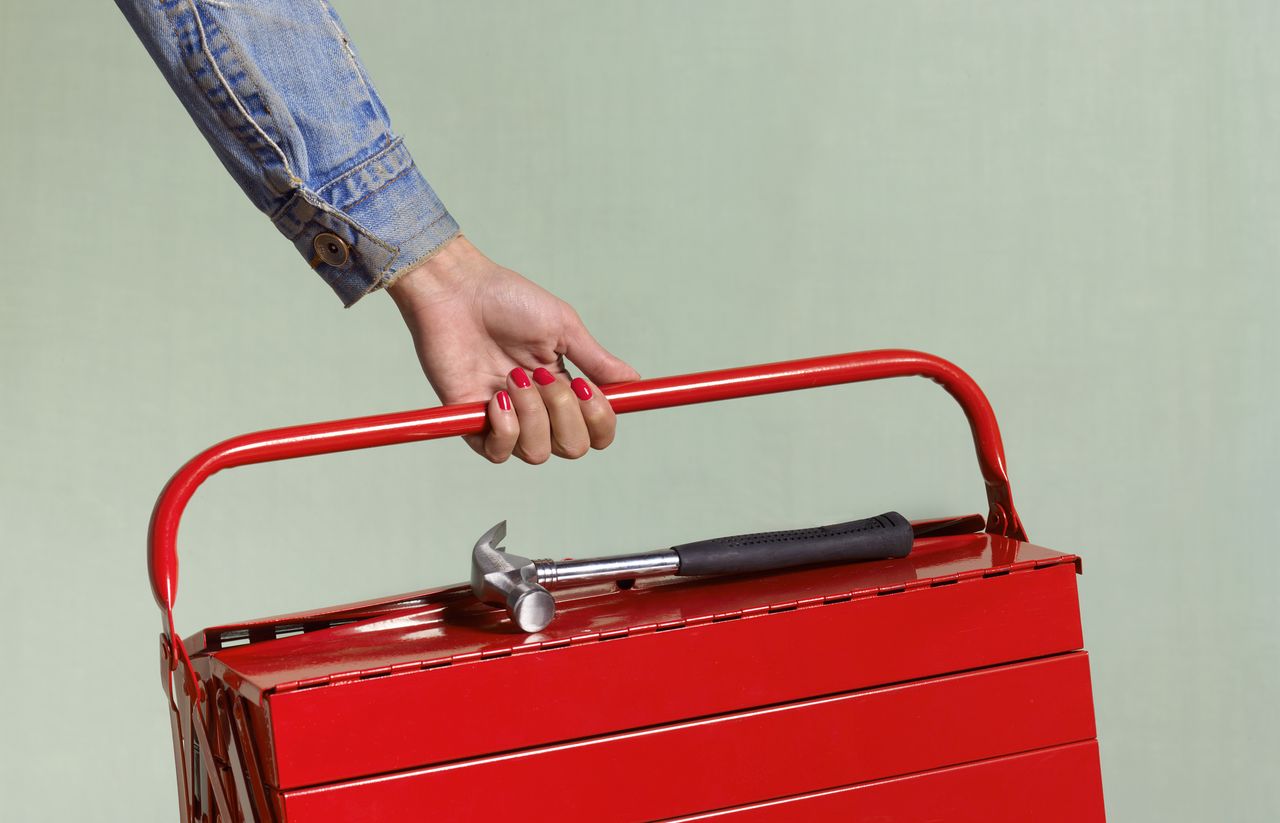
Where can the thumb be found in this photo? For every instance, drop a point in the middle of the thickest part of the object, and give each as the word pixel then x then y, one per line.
pixel 594 360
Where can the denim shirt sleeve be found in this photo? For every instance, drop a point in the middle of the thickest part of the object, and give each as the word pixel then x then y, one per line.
pixel 278 91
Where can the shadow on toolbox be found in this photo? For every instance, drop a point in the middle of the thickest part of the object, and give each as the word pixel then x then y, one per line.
pixel 943 682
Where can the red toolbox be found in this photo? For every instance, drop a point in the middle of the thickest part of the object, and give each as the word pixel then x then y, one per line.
pixel 947 685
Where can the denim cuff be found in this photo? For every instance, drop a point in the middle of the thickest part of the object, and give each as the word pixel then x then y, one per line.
pixel 362 229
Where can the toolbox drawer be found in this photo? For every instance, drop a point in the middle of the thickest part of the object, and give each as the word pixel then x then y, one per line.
pixel 1061 784
pixel 739 758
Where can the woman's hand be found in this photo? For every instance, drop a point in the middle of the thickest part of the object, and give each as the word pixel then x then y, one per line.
pixel 483 332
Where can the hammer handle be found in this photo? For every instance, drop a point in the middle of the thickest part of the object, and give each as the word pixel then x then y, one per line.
pixel 875 538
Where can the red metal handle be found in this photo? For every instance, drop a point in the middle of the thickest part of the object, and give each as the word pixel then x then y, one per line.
pixel 449 421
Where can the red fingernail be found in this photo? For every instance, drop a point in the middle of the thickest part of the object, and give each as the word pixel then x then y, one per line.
pixel 520 378
pixel 581 388
pixel 504 401
pixel 543 377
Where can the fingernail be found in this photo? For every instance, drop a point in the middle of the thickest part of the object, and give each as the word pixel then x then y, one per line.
pixel 543 377
pixel 581 388
pixel 504 401
pixel 520 378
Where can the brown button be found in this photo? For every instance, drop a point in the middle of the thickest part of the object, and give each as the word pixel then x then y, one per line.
pixel 331 249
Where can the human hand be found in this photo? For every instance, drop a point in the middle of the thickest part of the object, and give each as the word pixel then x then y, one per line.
pixel 480 330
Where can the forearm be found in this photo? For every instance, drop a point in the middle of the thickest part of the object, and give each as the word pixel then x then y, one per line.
pixel 284 101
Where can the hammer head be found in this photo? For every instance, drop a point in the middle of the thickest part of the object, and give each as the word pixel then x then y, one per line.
pixel 510 581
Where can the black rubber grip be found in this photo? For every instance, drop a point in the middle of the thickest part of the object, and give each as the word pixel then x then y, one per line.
pixel 875 538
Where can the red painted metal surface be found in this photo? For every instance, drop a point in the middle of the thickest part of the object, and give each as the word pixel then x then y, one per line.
pixel 268 627
pixel 447 421
pixel 1060 784
pixel 715 762
pixel 447 625
pixel 954 604
pixel 819 684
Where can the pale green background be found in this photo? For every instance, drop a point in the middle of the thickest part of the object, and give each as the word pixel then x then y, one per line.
pixel 1079 202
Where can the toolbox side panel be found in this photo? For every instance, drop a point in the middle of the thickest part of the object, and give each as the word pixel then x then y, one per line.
pixel 1061 784
pixel 740 758
pixel 394 722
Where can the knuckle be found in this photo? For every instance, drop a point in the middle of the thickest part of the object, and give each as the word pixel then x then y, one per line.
pixel 602 433
pixel 559 399
pixel 533 413
pixel 535 458
pixel 573 451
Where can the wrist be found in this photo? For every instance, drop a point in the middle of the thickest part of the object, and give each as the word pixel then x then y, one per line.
pixel 439 275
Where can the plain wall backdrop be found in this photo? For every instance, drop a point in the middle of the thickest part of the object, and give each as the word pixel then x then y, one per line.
pixel 1078 202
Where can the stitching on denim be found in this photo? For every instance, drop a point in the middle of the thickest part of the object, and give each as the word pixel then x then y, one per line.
pixel 289 209
pixel 286 207
pixel 457 232
pixel 383 281
pixel 356 169
pixel 403 270
pixel 361 230
pixel 226 86
pixel 234 47
pixel 369 194
pixel 433 222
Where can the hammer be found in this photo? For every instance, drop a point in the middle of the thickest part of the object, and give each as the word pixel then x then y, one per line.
pixel 518 584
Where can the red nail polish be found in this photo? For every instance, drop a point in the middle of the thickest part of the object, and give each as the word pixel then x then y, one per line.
pixel 581 388
pixel 520 378
pixel 543 377
pixel 504 401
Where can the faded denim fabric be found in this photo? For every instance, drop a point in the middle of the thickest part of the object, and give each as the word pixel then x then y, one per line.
pixel 284 101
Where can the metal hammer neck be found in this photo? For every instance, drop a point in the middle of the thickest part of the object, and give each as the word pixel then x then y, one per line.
pixel 607 568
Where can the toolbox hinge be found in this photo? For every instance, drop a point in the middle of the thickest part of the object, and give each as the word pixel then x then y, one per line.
pixel 174 660
pixel 959 578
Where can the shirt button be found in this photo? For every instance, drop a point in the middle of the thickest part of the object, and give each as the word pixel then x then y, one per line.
pixel 331 249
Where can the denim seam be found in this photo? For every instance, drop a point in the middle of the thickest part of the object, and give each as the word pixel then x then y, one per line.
pixel 385 281
pixel 320 206
pixel 356 169
pixel 371 193
pixel 278 145
pixel 239 104
pixel 405 269
pixel 364 232
pixel 443 216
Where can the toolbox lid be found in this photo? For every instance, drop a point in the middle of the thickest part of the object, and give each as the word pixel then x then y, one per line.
pixel 446 626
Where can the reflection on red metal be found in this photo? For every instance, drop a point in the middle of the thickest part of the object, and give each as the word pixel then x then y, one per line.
pixel 953 714
pixel 449 421
pixel 826 686
pixel 999 790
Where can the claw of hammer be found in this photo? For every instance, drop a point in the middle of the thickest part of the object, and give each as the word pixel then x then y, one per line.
pixel 507 580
